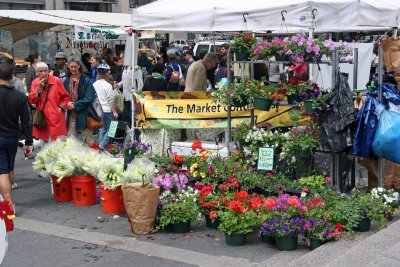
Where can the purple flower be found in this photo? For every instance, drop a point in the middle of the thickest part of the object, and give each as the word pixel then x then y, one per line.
pixel 294 39
pixel 309 49
pixel 316 49
pixel 309 42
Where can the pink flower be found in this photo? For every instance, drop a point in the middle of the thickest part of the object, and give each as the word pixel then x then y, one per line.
pixel 305 189
pixel 328 179
pixel 278 186
pixel 269 174
pixel 316 49
pixel 309 42
pixel 307 129
pixel 309 49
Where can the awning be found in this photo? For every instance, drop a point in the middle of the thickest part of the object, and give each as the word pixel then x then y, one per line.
pixel 23 23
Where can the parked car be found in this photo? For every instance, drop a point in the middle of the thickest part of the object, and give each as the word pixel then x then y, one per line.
pixel 179 43
pixel 202 48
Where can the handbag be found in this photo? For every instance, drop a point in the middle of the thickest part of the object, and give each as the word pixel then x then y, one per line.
pixel 175 75
pixel 118 102
pixel 39 119
pixel 94 124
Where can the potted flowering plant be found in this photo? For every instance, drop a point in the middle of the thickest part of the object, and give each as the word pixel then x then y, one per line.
pixel 293 90
pixel 318 231
pixel 240 132
pixel 170 180
pixel 209 202
pixel 265 95
pixel 238 94
pixel 238 217
pixel 301 141
pixel 370 208
pixel 308 94
pixel 285 229
pixel 178 210
pixel 266 49
pixel 390 200
pixel 242 45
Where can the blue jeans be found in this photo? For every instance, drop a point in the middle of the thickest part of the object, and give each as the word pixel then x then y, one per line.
pixel 103 138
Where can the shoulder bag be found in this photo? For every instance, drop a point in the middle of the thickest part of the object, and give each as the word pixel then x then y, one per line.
pixel 39 119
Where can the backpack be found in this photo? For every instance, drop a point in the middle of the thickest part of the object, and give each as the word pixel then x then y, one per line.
pixel 175 75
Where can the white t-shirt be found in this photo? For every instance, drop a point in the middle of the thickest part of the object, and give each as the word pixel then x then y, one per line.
pixel 105 93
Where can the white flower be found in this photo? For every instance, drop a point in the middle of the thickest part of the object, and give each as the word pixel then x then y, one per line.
pixel 303 195
pixel 380 189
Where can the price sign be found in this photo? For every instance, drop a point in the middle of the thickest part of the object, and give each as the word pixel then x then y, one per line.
pixel 265 158
pixel 113 129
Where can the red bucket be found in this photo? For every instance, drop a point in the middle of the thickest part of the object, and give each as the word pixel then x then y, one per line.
pixel 62 190
pixel 112 201
pixel 83 190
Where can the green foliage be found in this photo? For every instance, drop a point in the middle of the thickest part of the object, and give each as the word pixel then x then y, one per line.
pixel 232 222
pixel 243 43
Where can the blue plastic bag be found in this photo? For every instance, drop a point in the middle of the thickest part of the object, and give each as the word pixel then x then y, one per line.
pixel 386 143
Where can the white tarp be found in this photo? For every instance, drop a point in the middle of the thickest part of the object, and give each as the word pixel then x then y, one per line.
pixel 23 23
pixel 224 15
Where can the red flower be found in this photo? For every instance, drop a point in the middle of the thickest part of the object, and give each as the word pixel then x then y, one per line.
pixel 218 199
pixel 339 227
pixel 205 191
pixel 237 207
pixel 213 214
pixel 294 81
pixel 248 37
pixel 255 202
pixel 208 205
pixel 282 91
pixel 242 195
pixel 196 144
pixel 227 202
pixel 178 159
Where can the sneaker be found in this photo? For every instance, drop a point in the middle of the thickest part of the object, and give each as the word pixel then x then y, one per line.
pixel 14 186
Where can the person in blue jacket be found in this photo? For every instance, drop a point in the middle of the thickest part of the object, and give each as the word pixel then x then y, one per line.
pixel 82 94
pixel 173 66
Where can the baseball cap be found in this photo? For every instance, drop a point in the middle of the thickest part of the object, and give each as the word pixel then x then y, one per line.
pixel 103 66
pixel 61 55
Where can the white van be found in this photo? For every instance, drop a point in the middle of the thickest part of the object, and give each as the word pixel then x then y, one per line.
pixel 202 48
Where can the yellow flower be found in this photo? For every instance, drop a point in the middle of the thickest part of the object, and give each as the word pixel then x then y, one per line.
pixel 194 174
pixel 203 175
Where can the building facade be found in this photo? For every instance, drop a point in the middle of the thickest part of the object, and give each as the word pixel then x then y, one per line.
pixel 120 6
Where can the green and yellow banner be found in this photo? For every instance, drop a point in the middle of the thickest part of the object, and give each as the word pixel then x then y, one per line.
pixel 180 110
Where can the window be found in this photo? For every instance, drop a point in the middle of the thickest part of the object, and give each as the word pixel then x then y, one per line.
pixel 98 7
pixel 12 6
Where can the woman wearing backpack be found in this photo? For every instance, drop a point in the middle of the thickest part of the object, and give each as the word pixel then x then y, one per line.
pixel 173 74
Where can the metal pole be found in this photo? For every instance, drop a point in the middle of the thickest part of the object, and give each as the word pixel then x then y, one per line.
pixel 395 33
pixel 355 86
pixel 380 84
pixel 228 134
pixel 355 68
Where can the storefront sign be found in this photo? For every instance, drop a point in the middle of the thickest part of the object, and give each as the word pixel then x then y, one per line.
pixel 94 34
pixel 265 158
pixel 180 110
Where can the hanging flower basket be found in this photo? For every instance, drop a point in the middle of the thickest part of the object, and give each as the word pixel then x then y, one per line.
pixel 262 103
pixel 239 104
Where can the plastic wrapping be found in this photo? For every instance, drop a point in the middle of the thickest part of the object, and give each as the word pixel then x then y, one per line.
pixel 336 125
pixel 386 143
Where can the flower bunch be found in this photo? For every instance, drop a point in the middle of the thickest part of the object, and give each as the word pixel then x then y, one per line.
pixel 237 92
pixel 111 175
pixel 171 182
pixel 369 207
pixel 320 229
pixel 389 198
pixel 243 43
pixel 289 204
pixel 283 225
pixel 309 92
pixel 323 102
pixel 269 49
pixel 239 212
pixel 303 139
pixel 115 149
pixel 241 130
pixel 138 147
pixel 177 207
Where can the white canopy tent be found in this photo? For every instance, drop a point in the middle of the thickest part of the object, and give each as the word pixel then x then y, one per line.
pixel 23 23
pixel 225 16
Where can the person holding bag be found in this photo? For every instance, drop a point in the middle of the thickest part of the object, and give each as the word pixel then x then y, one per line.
pixel 106 94
pixel 82 94
pixel 51 100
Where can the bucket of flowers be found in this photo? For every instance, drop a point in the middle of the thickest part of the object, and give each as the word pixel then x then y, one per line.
pixel 242 45
pixel 238 216
pixel 390 200
pixel 177 210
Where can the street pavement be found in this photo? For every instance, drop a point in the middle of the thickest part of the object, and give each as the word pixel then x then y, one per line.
pixel 59 234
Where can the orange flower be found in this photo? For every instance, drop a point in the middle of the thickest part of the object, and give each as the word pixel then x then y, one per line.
pixel 237 207
pixel 242 195
pixel 270 203
pixel 255 202
pixel 205 191
pixel 292 202
pixel 213 214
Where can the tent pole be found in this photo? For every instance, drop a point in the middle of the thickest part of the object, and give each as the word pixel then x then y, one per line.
pixel 395 33
pixel 228 134
pixel 380 86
